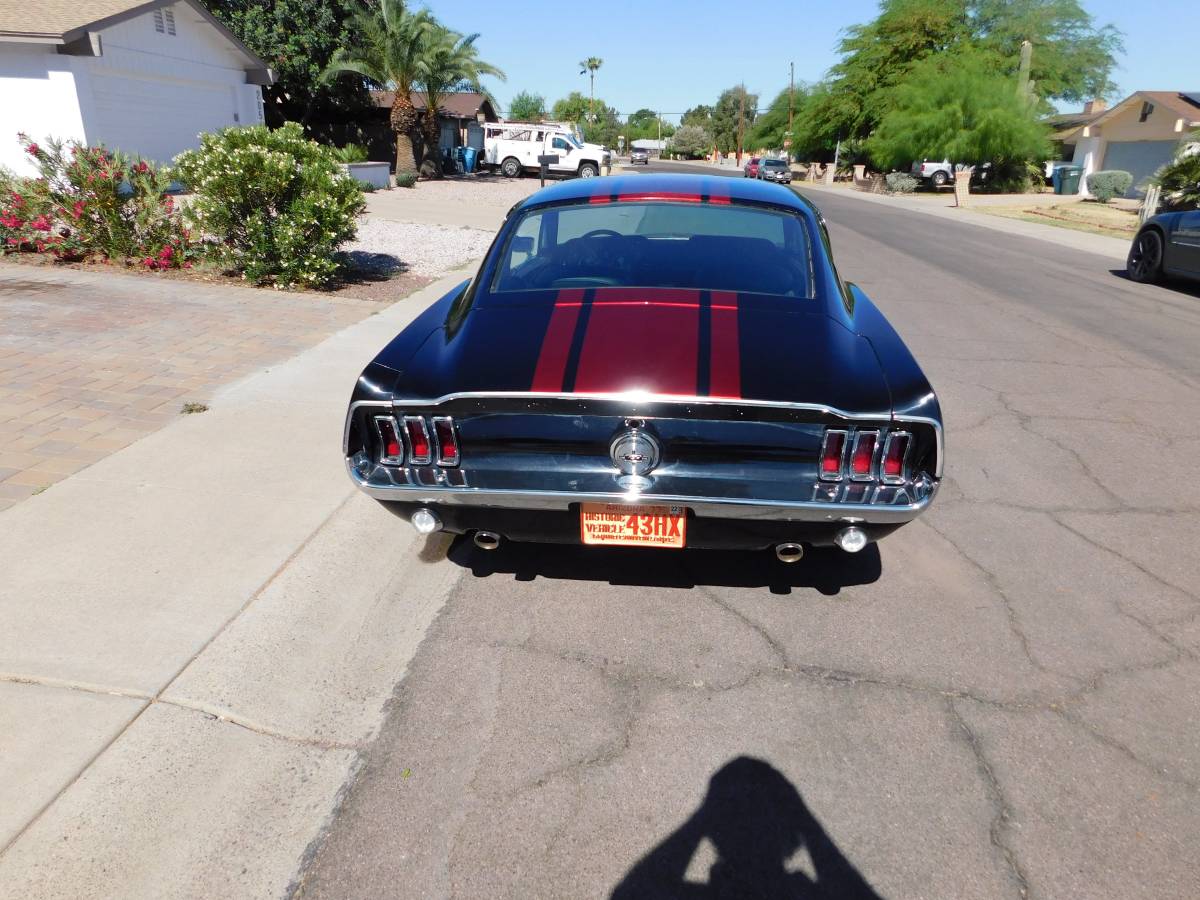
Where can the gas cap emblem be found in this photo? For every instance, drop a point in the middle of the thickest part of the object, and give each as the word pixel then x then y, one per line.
pixel 635 452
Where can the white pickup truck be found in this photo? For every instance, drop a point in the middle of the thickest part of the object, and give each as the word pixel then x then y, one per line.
pixel 514 147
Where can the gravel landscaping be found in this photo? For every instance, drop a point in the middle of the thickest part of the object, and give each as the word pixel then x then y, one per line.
pixel 383 246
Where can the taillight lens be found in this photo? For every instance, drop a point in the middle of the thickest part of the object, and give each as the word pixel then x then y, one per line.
pixel 418 440
pixel 895 451
pixel 832 450
pixel 447 441
pixel 391 450
pixel 863 457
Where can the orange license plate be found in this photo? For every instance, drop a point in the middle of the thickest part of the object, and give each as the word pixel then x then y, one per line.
pixel 618 524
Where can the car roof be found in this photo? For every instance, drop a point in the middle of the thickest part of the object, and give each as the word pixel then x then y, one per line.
pixel 662 186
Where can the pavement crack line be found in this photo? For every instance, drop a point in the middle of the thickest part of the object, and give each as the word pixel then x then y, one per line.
pixel 157 696
pixel 1003 810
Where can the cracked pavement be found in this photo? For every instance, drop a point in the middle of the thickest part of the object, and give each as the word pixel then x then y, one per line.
pixel 1001 701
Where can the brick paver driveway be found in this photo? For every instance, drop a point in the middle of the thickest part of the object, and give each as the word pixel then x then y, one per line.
pixel 92 361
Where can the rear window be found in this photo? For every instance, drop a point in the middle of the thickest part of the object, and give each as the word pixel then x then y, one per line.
pixel 774 164
pixel 655 244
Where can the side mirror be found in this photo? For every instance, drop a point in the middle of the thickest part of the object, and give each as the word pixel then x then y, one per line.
pixel 521 244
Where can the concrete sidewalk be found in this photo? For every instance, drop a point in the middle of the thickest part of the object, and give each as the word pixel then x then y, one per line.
pixel 194 647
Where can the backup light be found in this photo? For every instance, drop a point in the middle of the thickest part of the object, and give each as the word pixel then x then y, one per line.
pixel 425 521
pixel 851 539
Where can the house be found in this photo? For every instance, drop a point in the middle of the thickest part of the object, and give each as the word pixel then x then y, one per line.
pixel 1139 135
pixel 461 116
pixel 142 77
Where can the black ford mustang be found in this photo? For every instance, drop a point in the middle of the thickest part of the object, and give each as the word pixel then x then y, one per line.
pixel 663 360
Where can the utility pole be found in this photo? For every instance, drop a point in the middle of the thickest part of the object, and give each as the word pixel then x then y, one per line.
pixel 791 94
pixel 741 120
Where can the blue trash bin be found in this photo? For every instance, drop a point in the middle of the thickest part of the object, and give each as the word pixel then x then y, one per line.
pixel 1056 179
pixel 469 156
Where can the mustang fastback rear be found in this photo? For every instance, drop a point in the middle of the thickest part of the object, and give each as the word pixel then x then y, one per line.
pixel 657 361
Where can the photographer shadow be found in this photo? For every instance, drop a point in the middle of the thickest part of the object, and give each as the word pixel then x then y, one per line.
pixel 757 822
pixel 824 569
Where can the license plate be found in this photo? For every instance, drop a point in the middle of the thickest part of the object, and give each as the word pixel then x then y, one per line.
pixel 618 524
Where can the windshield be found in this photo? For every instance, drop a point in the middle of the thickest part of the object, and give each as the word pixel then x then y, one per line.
pixel 774 164
pixel 656 244
pixel 574 140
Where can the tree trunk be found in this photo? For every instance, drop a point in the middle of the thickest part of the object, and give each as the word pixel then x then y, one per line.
pixel 403 120
pixel 431 126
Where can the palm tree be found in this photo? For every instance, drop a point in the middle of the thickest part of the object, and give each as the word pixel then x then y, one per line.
pixel 449 62
pixel 392 40
pixel 590 65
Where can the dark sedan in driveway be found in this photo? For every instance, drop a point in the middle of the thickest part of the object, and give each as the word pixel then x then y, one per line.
pixel 657 361
pixel 1168 244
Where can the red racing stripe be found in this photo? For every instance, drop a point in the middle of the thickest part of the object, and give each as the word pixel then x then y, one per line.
pixel 641 339
pixel 725 366
pixel 556 345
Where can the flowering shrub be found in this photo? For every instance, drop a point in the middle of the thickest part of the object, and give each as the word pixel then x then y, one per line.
pixel 272 205
pixel 92 202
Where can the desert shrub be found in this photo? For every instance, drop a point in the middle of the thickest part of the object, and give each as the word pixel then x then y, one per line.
pixel 900 183
pixel 1108 184
pixel 89 202
pixel 350 153
pixel 406 179
pixel 271 205
pixel 1180 182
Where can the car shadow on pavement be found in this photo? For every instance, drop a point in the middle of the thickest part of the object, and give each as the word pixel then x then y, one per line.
pixel 1178 285
pixel 756 822
pixel 824 569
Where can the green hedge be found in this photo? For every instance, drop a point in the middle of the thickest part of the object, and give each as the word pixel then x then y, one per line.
pixel 1108 184
pixel 271 205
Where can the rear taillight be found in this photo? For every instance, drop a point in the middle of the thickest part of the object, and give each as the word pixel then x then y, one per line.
pixel 832 451
pixel 862 460
pixel 895 452
pixel 447 441
pixel 391 450
pixel 418 441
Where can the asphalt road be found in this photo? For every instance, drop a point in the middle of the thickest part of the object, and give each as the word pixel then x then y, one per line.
pixel 1001 701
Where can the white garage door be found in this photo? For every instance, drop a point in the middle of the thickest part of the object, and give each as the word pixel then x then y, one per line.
pixel 157 118
pixel 1139 158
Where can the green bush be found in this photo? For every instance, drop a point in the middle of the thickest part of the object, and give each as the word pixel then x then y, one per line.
pixel 900 183
pixel 351 153
pixel 271 205
pixel 1108 184
pixel 406 179
pixel 1180 182
pixel 92 202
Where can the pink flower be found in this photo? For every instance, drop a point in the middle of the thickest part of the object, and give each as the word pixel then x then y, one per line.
pixel 33 149
pixel 78 210
pixel 41 223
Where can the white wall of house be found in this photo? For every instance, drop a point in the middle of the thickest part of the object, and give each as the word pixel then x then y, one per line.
pixel 1125 141
pixel 149 93
pixel 38 97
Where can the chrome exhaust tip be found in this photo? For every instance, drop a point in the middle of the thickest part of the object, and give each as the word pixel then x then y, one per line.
pixel 851 539
pixel 425 521
pixel 789 552
pixel 487 540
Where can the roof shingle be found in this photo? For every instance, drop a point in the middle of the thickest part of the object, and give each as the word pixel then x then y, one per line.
pixel 54 18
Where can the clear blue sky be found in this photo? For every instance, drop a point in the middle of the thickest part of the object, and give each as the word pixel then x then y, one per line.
pixel 673 54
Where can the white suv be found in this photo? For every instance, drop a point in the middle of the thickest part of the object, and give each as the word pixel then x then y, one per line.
pixel 936 172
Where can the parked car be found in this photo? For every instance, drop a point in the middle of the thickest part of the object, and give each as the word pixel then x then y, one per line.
pixel 656 361
pixel 639 155
pixel 936 172
pixel 514 148
pixel 1168 244
pixel 750 169
pixel 775 170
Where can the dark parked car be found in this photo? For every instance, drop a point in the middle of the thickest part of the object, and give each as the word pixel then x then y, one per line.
pixel 750 169
pixel 775 170
pixel 1168 244
pixel 639 155
pixel 658 361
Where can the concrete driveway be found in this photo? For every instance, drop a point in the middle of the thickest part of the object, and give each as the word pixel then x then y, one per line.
pixel 1003 700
